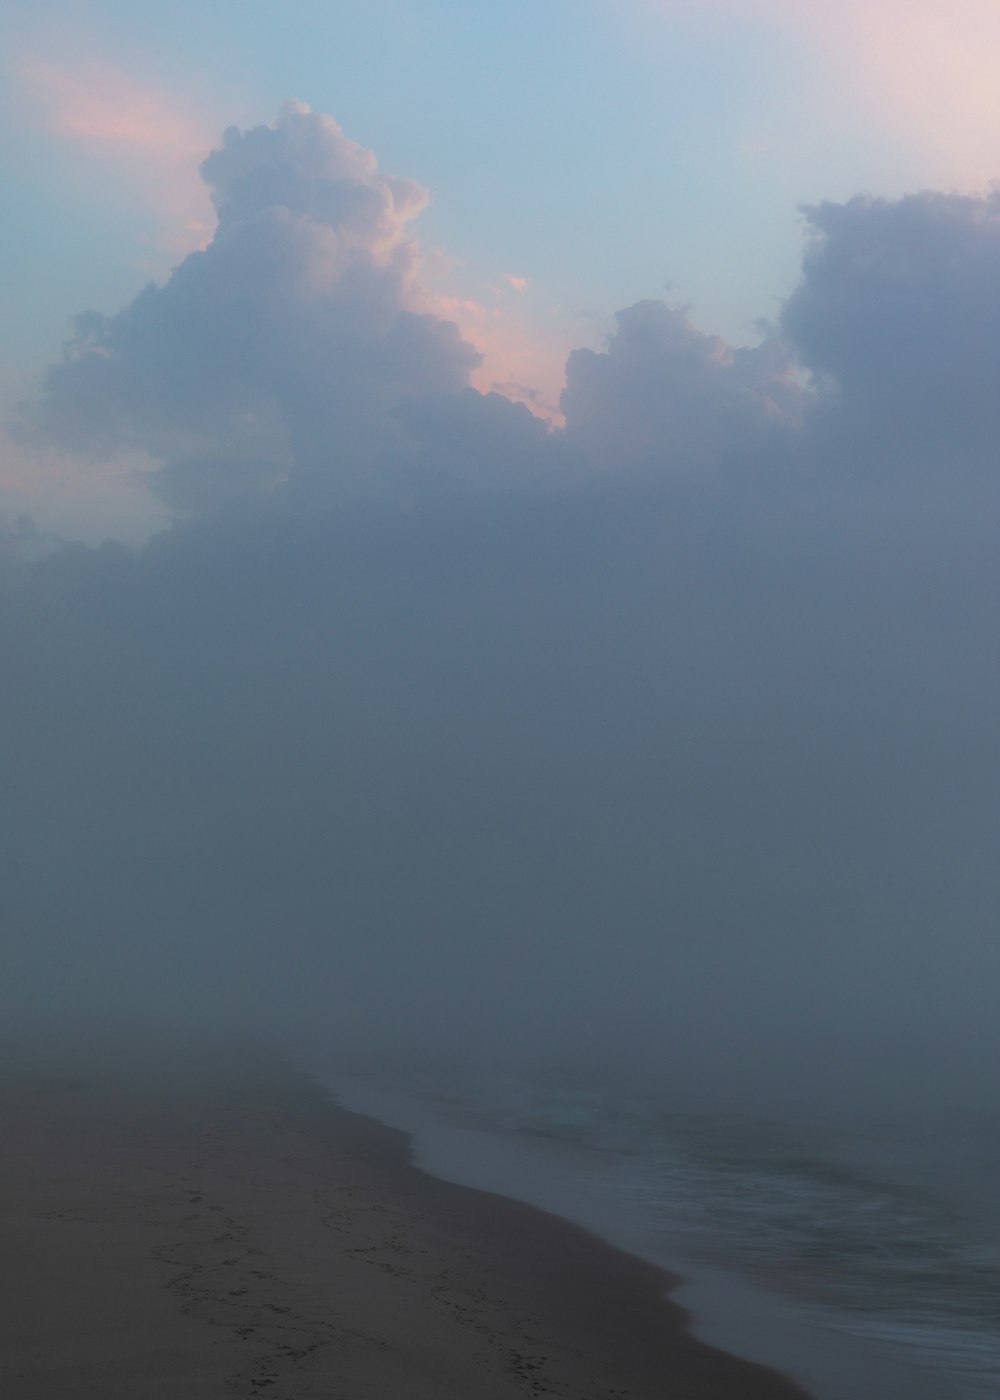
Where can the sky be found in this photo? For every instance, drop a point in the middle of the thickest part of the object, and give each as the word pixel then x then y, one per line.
pixel 514 117
pixel 579 155
pixel 498 513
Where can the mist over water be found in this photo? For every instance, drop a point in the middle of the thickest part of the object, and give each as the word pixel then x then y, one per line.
pixel 856 1250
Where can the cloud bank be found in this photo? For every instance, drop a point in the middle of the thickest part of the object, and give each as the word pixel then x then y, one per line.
pixel 670 732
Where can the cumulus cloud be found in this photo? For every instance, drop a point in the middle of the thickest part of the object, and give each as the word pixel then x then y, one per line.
pixel 898 312
pixel 305 163
pixel 665 395
pixel 670 730
pixel 289 339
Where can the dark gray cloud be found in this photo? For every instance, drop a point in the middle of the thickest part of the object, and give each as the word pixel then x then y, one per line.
pixel 898 314
pixel 665 396
pixel 672 731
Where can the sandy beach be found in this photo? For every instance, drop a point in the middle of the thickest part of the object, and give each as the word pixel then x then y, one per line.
pixel 213 1226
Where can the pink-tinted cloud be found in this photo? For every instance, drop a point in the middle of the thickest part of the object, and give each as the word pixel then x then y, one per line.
pixel 144 134
pixel 523 354
pixel 157 144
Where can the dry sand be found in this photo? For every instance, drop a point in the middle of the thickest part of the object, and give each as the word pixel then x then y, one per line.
pixel 224 1231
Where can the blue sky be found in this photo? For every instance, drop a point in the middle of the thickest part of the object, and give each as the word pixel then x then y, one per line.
pixel 606 151
pixel 598 151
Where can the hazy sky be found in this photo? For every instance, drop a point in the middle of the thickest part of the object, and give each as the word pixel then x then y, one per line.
pixel 579 154
pixel 603 150
pixel 552 576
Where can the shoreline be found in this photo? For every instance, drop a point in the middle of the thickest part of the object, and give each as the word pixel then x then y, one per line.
pixel 227 1230
pixel 565 1179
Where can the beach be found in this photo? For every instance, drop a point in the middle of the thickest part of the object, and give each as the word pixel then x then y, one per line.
pixel 209 1224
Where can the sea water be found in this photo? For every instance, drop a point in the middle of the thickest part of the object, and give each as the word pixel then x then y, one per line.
pixel 859 1252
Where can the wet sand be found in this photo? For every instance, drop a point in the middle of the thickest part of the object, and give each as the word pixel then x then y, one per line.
pixel 217 1228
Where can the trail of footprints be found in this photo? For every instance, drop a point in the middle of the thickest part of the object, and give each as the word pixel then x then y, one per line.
pixel 222 1280
pixel 470 1308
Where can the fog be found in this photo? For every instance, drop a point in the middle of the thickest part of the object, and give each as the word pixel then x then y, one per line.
pixel 666 736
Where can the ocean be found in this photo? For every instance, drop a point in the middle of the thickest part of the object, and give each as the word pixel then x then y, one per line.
pixel 858 1251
